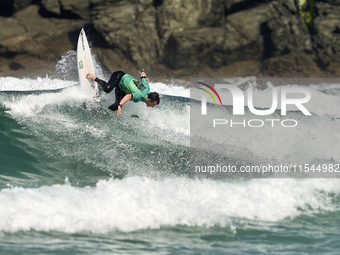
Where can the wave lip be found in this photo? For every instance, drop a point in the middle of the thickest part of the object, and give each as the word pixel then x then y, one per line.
pixel 38 84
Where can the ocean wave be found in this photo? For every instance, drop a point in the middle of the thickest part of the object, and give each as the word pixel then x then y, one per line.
pixel 136 203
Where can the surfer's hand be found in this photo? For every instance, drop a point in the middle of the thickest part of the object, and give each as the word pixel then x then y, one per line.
pixel 91 76
pixel 119 111
pixel 143 74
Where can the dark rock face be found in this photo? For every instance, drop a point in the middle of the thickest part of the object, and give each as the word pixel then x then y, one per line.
pixel 129 27
pixel 327 32
pixel 304 66
pixel 177 37
pixel 285 33
pixel 29 33
pixel 8 7
pixel 72 9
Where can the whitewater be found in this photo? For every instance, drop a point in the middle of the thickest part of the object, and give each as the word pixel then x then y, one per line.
pixel 77 179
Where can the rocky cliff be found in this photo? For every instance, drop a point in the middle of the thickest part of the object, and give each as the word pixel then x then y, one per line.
pixel 176 38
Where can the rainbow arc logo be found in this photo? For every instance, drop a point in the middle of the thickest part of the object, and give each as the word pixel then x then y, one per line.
pixel 209 93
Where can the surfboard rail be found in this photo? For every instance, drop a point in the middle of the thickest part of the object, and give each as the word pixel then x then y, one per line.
pixel 85 65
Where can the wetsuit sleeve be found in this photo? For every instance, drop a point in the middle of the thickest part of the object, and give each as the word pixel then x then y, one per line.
pixel 107 87
pixel 138 97
pixel 100 82
pixel 144 81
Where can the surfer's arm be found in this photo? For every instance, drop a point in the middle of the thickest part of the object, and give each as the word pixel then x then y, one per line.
pixel 125 99
pixel 94 78
pixel 102 83
pixel 143 75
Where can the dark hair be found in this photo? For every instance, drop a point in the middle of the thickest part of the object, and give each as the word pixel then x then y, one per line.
pixel 154 97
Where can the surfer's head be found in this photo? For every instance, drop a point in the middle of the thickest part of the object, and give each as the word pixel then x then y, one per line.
pixel 152 99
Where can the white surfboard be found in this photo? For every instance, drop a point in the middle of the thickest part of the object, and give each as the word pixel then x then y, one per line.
pixel 85 65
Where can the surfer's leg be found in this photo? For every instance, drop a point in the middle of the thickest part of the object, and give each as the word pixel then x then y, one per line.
pixel 112 83
pixel 105 85
pixel 115 79
pixel 119 97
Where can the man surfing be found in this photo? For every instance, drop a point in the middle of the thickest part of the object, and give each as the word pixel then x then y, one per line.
pixel 127 88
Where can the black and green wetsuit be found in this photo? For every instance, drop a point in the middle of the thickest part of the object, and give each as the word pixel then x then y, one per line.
pixel 125 84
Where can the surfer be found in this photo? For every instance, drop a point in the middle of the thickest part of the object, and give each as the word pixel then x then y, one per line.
pixel 127 88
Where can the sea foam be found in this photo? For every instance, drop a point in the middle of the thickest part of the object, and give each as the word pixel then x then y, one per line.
pixel 136 203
